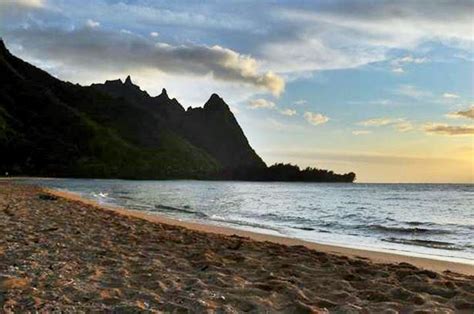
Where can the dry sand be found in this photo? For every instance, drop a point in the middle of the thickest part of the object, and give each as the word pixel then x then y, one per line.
pixel 57 253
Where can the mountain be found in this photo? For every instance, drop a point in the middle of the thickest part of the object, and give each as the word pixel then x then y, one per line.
pixel 213 127
pixel 53 128
pixel 115 130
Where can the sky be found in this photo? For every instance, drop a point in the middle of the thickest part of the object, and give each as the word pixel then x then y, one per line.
pixel 381 88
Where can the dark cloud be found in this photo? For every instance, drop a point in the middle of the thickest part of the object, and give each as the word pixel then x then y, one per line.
pixel 99 49
pixel 445 129
pixel 401 9
pixel 469 113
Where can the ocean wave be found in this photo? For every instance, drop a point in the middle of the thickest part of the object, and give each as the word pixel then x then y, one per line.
pixel 310 229
pixel 181 210
pixel 304 228
pixel 414 223
pixel 140 207
pixel 396 198
pixel 425 243
pixel 404 230
pixel 244 223
pixel 329 224
pixel 432 225
pixel 286 218
pixel 324 231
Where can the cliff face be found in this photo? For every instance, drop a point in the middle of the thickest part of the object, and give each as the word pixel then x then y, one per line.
pixel 212 127
pixel 215 128
pixel 53 128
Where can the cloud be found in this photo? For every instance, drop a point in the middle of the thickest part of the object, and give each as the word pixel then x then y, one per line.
pixel 400 124
pixel 315 118
pixel 267 104
pixel 92 24
pixel 154 34
pixel 149 14
pixel 450 96
pixel 378 102
pixel 301 102
pixel 399 63
pixel 18 11
pixel 103 50
pixel 378 122
pixel 413 92
pixel 292 37
pixel 261 103
pixel 381 102
pixel 403 126
pixel 397 24
pixel 398 70
pixel 23 3
pixel 347 34
pixel 409 59
pixel 361 132
pixel 312 54
pixel 469 114
pixel 444 129
pixel 288 112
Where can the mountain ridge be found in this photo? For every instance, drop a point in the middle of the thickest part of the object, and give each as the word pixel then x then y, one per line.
pixel 114 129
pixel 201 126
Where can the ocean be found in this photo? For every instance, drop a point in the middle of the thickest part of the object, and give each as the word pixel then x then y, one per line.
pixel 429 220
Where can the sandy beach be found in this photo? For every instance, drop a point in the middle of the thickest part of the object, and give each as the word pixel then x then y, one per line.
pixel 60 252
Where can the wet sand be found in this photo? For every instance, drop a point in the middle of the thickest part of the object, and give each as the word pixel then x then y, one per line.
pixel 61 253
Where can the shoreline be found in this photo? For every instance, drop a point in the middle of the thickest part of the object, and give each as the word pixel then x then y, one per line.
pixel 378 257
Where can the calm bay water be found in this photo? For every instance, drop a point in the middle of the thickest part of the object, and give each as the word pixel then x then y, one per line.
pixel 434 220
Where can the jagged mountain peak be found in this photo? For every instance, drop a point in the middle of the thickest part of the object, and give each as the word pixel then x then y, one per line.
pixel 215 97
pixel 164 94
pixel 130 85
pixel 215 102
pixel 128 81
pixel 119 87
pixel 117 82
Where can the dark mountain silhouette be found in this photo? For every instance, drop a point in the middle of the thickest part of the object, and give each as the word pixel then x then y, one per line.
pixel 213 127
pixel 115 130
